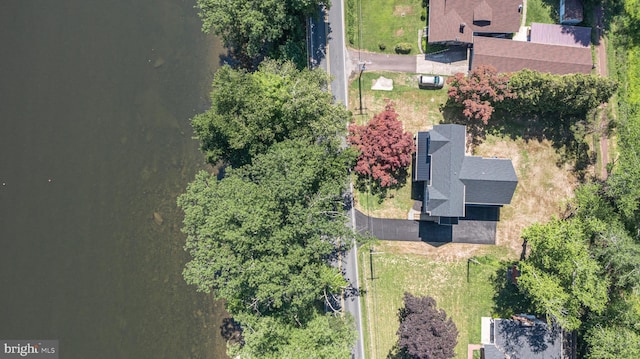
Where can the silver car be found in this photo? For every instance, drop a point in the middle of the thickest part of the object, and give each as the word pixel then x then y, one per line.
pixel 430 82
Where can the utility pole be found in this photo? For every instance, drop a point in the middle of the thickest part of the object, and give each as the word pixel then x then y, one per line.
pixel 361 66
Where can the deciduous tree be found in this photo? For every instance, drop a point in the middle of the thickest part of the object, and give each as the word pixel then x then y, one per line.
pixel 258 28
pixel 425 332
pixel 385 149
pixel 613 342
pixel 560 275
pixel 479 91
pixel 263 237
pixel 251 111
pixel 322 337
pixel 565 95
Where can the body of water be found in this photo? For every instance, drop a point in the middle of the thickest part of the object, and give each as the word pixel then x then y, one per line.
pixel 95 145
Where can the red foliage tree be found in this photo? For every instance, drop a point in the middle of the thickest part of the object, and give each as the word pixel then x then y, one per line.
pixel 425 332
pixel 385 149
pixel 479 91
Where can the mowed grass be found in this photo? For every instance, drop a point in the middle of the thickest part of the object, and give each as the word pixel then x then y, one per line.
pixel 387 22
pixel 394 273
pixel 419 110
pixel 542 11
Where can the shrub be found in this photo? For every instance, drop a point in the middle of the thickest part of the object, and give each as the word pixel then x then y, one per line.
pixel 403 48
pixel 382 46
pixel 423 15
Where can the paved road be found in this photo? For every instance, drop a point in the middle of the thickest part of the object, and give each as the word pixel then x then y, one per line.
pixel 447 62
pixel 329 52
pixel 328 48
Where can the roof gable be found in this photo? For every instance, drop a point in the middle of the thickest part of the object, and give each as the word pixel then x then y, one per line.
pixel 488 180
pixel 457 20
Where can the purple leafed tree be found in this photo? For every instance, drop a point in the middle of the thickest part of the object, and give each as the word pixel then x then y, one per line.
pixel 425 332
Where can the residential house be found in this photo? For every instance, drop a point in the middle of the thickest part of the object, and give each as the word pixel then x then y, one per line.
pixel 449 182
pixel 522 337
pixel 557 49
pixel 456 22
pixel 487 27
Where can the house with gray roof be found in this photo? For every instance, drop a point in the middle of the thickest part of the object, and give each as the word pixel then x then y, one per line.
pixel 449 181
pixel 522 337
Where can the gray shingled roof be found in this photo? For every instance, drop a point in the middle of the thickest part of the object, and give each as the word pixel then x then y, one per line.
pixel 447 155
pixel 517 341
pixel 488 180
pixel 457 179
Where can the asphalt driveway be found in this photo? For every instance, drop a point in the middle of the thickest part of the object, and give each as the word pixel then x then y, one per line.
pixel 466 231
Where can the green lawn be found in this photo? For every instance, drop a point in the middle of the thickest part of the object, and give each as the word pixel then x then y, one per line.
pixel 419 109
pixel 542 11
pixel 466 301
pixel 386 22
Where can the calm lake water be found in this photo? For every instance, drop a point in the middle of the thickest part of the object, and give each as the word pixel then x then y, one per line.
pixel 95 98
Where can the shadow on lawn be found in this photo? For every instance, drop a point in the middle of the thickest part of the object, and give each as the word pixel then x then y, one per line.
pixel 566 133
pixel 368 185
pixel 508 300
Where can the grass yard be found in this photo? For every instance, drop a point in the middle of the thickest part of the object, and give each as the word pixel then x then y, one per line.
pixel 544 183
pixel 542 11
pixel 386 22
pixel 446 281
pixel 419 109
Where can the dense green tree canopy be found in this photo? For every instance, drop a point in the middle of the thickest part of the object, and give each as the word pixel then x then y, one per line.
pixel 322 337
pixel 560 275
pixel 262 238
pixel 258 28
pixel 613 342
pixel 564 95
pixel 252 111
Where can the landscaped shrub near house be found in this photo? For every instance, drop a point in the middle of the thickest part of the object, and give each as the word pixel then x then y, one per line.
pixel 423 15
pixel 382 46
pixel 403 48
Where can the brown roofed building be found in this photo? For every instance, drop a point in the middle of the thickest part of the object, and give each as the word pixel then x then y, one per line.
pixel 511 56
pixel 560 35
pixel 456 21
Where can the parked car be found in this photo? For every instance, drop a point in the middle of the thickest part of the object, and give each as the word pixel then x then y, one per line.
pixel 430 82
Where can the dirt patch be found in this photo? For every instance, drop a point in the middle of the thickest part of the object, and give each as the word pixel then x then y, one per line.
pixel 450 252
pixel 402 10
pixel 399 32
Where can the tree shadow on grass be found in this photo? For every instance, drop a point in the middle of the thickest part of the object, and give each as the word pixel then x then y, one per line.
pixel 368 185
pixel 566 133
pixel 507 299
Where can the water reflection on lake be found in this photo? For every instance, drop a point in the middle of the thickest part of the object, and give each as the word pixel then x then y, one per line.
pixel 95 145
